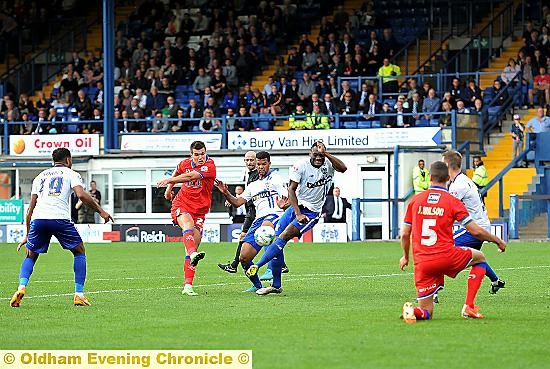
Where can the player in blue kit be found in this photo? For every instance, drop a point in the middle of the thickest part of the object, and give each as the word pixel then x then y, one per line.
pixel 49 215
pixel 310 182
pixel 269 195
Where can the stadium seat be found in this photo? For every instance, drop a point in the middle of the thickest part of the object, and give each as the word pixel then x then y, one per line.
pixel 375 124
pixel 349 124
pixel 422 123
pixel 364 124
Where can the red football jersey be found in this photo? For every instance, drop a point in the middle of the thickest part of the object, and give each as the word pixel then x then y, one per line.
pixel 431 215
pixel 195 197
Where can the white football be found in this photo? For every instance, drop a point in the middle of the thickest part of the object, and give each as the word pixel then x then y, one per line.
pixel 264 235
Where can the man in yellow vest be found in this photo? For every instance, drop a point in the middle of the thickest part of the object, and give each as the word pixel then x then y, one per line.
pixel 421 177
pixel 389 73
pixel 480 177
pixel 317 120
pixel 297 119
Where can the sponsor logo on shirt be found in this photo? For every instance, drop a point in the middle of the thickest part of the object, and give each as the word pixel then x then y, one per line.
pixel 433 198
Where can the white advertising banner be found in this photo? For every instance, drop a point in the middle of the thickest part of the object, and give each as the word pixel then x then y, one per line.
pixel 211 233
pixel 93 233
pixel 15 233
pixel 330 233
pixel 378 138
pixel 43 145
pixel 169 142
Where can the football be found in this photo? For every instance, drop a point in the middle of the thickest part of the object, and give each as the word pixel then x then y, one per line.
pixel 264 235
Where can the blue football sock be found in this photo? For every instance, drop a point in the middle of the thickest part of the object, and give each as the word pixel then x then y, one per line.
pixel 254 279
pixel 79 267
pixel 489 272
pixel 277 267
pixel 271 251
pixel 26 270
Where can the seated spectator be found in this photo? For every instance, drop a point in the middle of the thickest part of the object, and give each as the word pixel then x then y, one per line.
pixel 317 120
pixel 461 108
pixel 293 62
pixel 542 86
pixel 170 110
pixel 154 101
pixel 208 123
pixel 264 120
pixel 371 108
pixel 445 120
pixel 213 105
pixel 510 72
pixel 160 123
pixel 202 81
pixel 306 89
pixel 297 119
pixel 348 107
pixel 180 125
pixel 245 98
pixel 25 105
pixel 402 120
pixel 42 102
pixel 83 106
pixel 328 107
pixel 230 101
pixel 457 90
pixel 52 127
pixel 28 127
pixel 431 104
pixel 387 120
pixel 363 97
pixel 275 101
pixel 258 101
pixel 472 93
pixel 412 87
pixel 309 58
pixel 415 105
pixel 165 87
pixel 447 97
pixel 230 73
pixel 194 111
pixel 137 124
pixel 241 124
pixel 499 92
pixel 218 84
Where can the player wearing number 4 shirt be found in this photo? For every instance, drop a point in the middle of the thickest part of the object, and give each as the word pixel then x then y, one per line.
pixel 464 189
pixel 429 219
pixel 191 204
pixel 49 214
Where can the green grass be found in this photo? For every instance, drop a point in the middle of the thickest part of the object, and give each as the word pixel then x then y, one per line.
pixel 339 308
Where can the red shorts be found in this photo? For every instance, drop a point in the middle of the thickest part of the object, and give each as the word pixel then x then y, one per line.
pixel 198 219
pixel 429 275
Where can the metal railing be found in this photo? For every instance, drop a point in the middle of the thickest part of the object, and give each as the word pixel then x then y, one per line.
pixel 484 45
pixel 524 208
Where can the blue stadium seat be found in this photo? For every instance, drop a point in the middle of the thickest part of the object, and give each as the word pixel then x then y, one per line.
pixel 364 124
pixel 375 124
pixel 350 124
pixel 422 123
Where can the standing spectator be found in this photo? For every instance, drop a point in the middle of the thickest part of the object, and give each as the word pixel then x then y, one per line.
pixel 334 209
pixel 528 81
pixel 96 195
pixel 517 132
pixel 237 214
pixel 421 177
pixel 480 177
pixel 389 73
pixel 540 123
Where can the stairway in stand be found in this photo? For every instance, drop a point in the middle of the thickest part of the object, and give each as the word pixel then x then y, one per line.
pixel 259 81
pixel 516 181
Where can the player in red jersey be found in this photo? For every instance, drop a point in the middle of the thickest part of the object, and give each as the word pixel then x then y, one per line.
pixel 429 218
pixel 191 204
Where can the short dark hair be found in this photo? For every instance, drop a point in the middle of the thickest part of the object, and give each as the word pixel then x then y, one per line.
pixel 60 154
pixel 315 144
pixel 439 172
pixel 197 145
pixel 263 155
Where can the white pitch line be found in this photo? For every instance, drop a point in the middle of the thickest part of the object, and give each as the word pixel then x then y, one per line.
pixel 306 277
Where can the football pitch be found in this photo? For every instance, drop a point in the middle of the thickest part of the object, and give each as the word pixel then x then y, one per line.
pixel 339 309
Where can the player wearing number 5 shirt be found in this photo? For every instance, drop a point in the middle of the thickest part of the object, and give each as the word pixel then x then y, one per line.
pixel 429 219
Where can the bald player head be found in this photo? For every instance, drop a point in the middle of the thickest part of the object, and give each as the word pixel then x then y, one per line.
pixel 250 160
